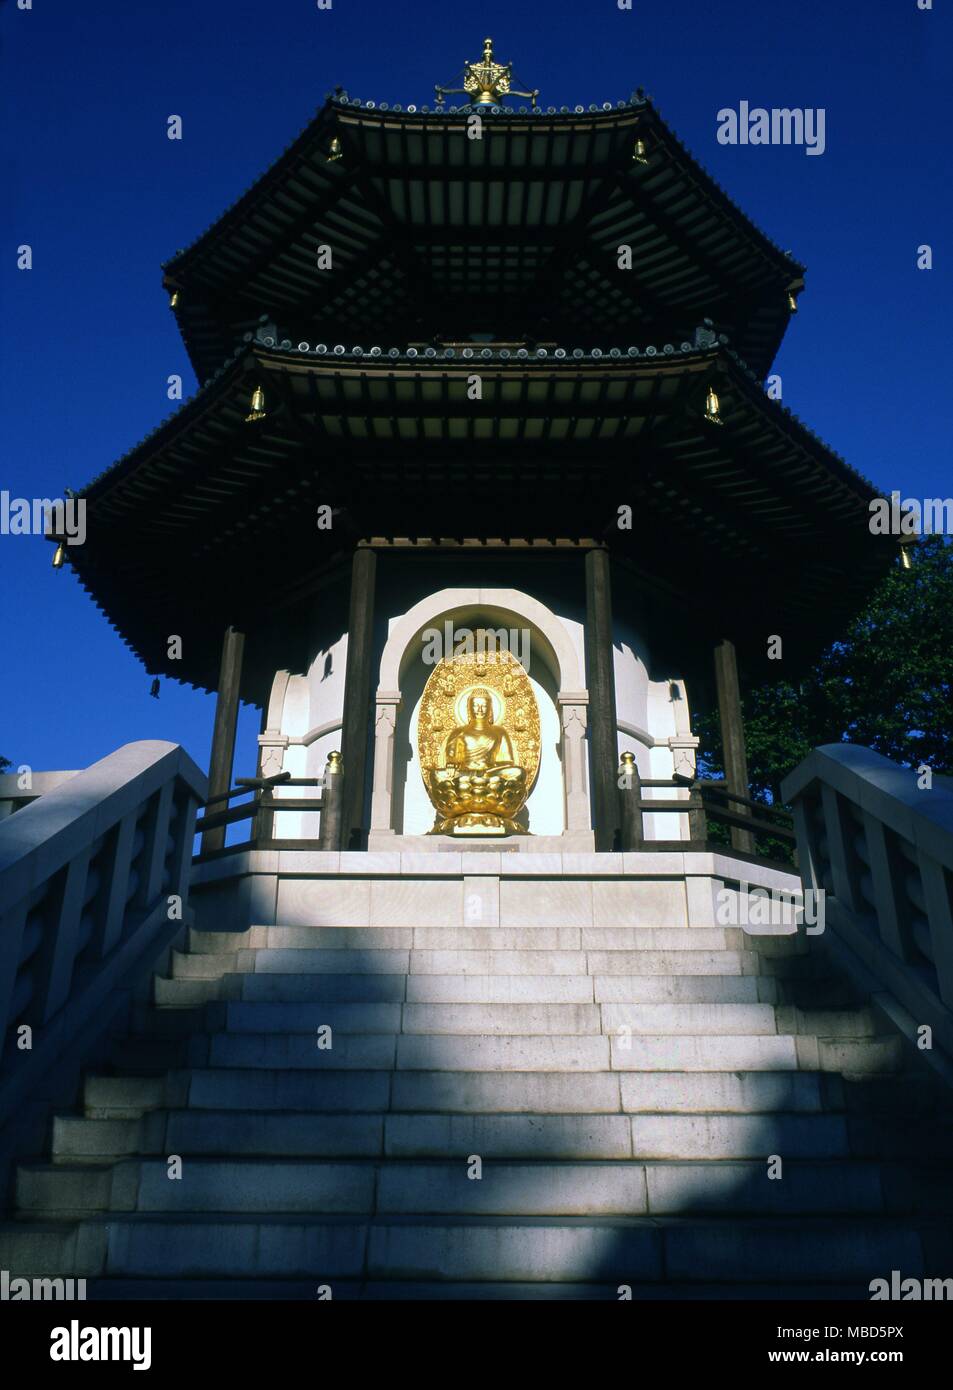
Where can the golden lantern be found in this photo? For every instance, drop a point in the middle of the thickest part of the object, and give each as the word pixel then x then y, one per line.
pixel 257 411
pixel 712 408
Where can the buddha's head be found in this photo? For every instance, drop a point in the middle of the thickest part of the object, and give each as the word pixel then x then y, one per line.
pixel 480 707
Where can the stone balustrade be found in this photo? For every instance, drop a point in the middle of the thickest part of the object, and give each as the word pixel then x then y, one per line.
pixel 94 879
pixel 879 842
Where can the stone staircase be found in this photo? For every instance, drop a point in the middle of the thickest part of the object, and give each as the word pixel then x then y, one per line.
pixel 622 1087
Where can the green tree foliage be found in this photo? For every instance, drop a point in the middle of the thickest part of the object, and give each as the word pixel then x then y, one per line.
pixel 887 685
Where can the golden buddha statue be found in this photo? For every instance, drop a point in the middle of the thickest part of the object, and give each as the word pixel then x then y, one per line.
pixel 479 774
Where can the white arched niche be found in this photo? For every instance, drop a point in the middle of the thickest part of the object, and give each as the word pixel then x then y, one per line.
pixel 559 802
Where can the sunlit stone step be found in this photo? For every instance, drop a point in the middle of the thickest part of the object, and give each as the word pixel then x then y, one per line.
pixel 708 1019
pixel 663 1136
pixel 723 1053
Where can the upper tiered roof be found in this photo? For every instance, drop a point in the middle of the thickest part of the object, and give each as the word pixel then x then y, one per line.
pixel 436 236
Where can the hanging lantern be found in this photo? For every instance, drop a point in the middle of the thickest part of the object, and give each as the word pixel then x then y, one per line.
pixel 792 302
pixel 257 411
pixel 906 551
pixel 712 408
pixel 174 301
pixel 639 155
pixel 59 556
pixel 335 150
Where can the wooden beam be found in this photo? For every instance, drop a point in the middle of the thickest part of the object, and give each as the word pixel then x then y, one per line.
pixel 357 695
pixel 603 741
pixel 732 733
pixel 226 723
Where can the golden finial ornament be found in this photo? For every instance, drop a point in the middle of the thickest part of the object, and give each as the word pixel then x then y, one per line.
pixel 712 408
pixel 486 82
pixel 257 411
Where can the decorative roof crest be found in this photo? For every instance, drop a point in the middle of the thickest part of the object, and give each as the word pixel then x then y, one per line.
pixel 486 82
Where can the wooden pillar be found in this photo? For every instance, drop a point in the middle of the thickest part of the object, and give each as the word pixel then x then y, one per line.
pixel 604 743
pixel 732 736
pixel 357 695
pixel 223 734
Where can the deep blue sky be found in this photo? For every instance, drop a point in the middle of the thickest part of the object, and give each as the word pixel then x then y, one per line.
pixel 93 184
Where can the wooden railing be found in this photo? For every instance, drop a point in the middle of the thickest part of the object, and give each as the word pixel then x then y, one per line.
pixel 263 806
pixel 702 801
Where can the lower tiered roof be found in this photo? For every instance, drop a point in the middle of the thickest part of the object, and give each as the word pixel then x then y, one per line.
pixel 747 528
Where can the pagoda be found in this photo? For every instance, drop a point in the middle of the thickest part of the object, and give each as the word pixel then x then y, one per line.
pixel 487 367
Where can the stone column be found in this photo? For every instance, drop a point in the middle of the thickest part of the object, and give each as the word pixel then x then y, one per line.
pixel 357 695
pixel 602 713
pixel 732 735
pixel 385 725
pixel 222 756
pixel 572 710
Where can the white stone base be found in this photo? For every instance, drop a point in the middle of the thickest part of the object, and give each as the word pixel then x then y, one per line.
pixel 463 889
pixel 571 841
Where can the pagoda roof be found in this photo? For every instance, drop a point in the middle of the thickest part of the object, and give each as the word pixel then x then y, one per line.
pixel 435 236
pixel 748 528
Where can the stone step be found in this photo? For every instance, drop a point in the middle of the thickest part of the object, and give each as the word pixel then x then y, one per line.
pixel 614 1136
pixel 406 1290
pixel 474 1052
pixel 684 989
pixel 257 1017
pixel 711 1020
pixel 541 1092
pixel 893 1136
pixel 128 1097
pixel 473 962
pixel 752 1053
pixel 482 938
pixel 431 1133
pixel 350 1051
pixel 567 1188
pixel 559 1019
pixel 234 1133
pixel 811 1251
pixel 472 989
pixel 498 1019
pixel 665 1136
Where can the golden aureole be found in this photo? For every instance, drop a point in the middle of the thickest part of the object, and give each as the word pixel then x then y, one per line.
pixel 478 738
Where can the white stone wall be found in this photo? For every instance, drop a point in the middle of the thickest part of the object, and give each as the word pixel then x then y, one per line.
pixel 305 714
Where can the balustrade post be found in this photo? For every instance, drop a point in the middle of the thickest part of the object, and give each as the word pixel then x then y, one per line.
pixel 630 803
pixel 332 803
